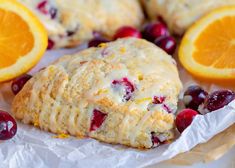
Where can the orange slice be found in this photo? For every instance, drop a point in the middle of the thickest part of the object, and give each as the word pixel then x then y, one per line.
pixel 23 39
pixel 207 49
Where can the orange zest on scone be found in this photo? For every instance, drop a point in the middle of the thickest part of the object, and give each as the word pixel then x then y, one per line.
pixel 117 97
pixel 23 39
pixel 208 47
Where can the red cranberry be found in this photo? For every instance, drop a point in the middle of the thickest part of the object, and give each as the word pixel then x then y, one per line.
pixel 156 142
pixel 96 41
pixel 194 96
pixel 158 99
pixel 158 139
pixel 167 43
pixel 42 7
pixel 127 85
pixel 154 30
pixel 127 31
pixel 97 119
pixel 167 108
pixel 218 99
pixel 18 83
pixel 53 13
pixel 8 126
pixel 50 44
pixel 184 119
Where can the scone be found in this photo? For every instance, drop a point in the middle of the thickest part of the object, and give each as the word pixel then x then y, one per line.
pixel 123 92
pixel 76 21
pixel 180 14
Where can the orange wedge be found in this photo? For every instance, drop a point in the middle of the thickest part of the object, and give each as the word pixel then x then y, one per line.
pixel 23 39
pixel 207 49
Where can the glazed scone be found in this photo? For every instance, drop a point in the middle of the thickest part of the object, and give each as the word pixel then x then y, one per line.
pixel 76 21
pixel 180 14
pixel 123 92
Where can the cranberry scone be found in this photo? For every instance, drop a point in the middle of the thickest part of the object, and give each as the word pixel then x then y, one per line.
pixel 180 14
pixel 123 92
pixel 76 21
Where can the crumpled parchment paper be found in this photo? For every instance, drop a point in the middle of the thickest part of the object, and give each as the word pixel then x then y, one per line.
pixel 33 148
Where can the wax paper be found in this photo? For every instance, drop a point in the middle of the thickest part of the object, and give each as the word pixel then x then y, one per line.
pixel 33 148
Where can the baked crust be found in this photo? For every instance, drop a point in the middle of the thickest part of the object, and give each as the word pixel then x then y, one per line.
pixel 62 97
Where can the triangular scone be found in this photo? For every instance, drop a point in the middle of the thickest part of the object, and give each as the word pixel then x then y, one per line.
pixel 180 14
pixel 123 92
pixel 72 22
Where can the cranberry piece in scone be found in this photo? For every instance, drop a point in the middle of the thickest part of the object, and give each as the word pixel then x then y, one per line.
pixel 156 142
pixel 45 9
pixel 158 139
pixel 97 119
pixel 124 83
pixel 51 44
pixel 42 7
pixel 53 12
pixel 158 99
pixel 167 108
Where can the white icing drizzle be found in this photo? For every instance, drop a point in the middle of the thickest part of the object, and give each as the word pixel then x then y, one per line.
pixel 75 77
pixel 63 119
pixel 82 111
pixel 46 110
pixel 72 121
pixel 122 127
pixel 56 104
pixel 72 114
pixel 76 114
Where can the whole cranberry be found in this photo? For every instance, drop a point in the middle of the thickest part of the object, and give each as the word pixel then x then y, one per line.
pixel 127 31
pixel 218 99
pixel 184 119
pixel 51 44
pixel 8 126
pixel 152 31
pixel 18 83
pixel 167 43
pixel 194 96
pixel 96 41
